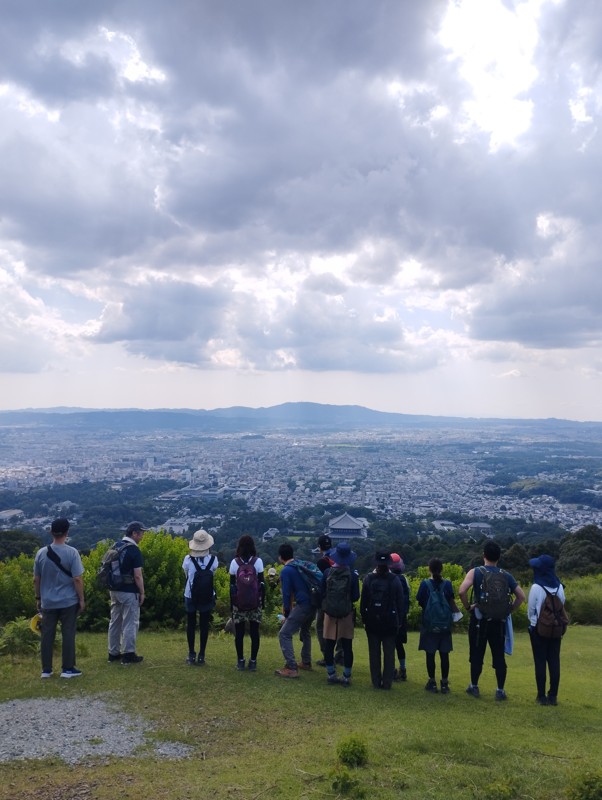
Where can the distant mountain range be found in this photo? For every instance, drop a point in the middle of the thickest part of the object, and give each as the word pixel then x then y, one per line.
pixel 292 417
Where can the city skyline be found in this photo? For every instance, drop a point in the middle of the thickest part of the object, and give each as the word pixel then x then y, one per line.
pixel 390 205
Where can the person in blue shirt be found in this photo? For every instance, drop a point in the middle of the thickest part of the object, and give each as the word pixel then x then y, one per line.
pixel 298 615
pixel 483 632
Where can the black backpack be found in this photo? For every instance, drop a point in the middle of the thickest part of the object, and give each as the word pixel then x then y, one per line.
pixel 379 614
pixel 337 601
pixel 201 591
pixel 494 602
pixel 437 614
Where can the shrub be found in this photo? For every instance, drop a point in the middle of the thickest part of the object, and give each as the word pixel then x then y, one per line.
pixel 343 783
pixel 586 787
pixel 352 751
pixel 584 600
pixel 17 639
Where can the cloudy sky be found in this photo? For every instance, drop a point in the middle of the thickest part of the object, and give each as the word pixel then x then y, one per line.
pixel 390 203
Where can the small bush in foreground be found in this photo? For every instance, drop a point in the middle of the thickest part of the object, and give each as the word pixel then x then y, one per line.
pixel 17 638
pixel 343 783
pixel 586 787
pixel 352 751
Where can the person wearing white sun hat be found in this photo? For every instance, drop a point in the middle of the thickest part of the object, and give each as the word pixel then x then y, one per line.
pixel 199 593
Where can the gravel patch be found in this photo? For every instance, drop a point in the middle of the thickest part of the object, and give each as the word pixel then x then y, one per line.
pixel 76 729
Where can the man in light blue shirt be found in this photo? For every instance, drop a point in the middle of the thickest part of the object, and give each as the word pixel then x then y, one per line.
pixel 59 587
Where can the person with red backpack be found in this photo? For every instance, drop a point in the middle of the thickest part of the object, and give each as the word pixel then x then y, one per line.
pixel 247 598
pixel 546 596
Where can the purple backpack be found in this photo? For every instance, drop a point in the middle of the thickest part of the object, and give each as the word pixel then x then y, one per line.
pixel 247 585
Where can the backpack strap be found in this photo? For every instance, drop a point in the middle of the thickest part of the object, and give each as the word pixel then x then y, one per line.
pixel 56 560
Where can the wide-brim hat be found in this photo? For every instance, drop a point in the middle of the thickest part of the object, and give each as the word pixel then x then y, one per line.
pixel 543 562
pixel 201 543
pixel 342 554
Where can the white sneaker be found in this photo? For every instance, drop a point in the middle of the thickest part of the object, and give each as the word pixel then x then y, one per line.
pixel 47 674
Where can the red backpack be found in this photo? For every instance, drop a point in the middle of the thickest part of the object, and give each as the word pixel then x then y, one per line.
pixel 247 585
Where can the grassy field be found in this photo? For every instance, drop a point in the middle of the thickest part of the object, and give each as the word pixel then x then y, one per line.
pixel 259 736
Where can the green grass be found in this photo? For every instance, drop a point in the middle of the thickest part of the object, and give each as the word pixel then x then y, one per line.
pixel 256 735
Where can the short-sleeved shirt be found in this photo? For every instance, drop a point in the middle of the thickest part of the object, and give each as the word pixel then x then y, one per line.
pixel 234 566
pixel 190 569
pixel 57 589
pixel 131 559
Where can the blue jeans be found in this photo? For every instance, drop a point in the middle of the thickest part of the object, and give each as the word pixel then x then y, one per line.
pixel 299 619
pixel 68 620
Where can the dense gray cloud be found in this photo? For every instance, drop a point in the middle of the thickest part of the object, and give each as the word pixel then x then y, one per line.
pixel 282 186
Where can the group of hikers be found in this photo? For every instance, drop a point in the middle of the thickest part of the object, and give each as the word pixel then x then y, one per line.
pixel 327 592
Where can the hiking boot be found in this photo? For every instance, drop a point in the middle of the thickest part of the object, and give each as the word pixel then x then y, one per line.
pixel 252 665
pixel 286 672
pixel 333 680
pixel 541 700
pixel 71 673
pixel 114 657
pixel 431 686
pixel 473 691
pixel 552 700
pixel 240 664
pixel 131 658
pixel 444 687
pixel 320 663
pixel 500 694
pixel 191 658
pixel 47 673
pixel 200 661
pixel 308 667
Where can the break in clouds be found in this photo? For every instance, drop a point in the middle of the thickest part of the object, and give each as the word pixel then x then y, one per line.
pixel 279 185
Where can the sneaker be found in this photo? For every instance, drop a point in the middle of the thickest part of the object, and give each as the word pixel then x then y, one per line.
pixel 131 658
pixel 191 658
pixel 71 673
pixel 345 680
pixel 252 665
pixel 47 673
pixel 308 667
pixel 320 663
pixel 552 700
pixel 333 680
pixel 500 694
pixel 541 700
pixel 474 691
pixel 240 664
pixel 286 672
pixel 200 661
pixel 444 687
pixel 113 658
pixel 431 686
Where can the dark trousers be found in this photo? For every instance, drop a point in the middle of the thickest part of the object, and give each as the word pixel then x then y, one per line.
pixel 68 620
pixel 322 641
pixel 204 623
pixel 239 636
pixel 546 656
pixel 346 646
pixel 430 665
pixel 381 672
pixel 482 632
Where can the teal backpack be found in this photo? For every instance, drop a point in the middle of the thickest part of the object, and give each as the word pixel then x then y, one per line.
pixel 437 613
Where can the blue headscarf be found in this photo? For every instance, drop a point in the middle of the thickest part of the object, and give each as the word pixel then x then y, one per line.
pixel 543 572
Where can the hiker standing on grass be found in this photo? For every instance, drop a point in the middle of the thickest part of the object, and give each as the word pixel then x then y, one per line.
pixel 490 607
pixel 436 598
pixel 59 588
pixel 397 568
pixel 341 589
pixel 127 599
pixel 545 644
pixel 199 593
pixel 381 607
pixel 324 563
pixel 298 615
pixel 247 598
